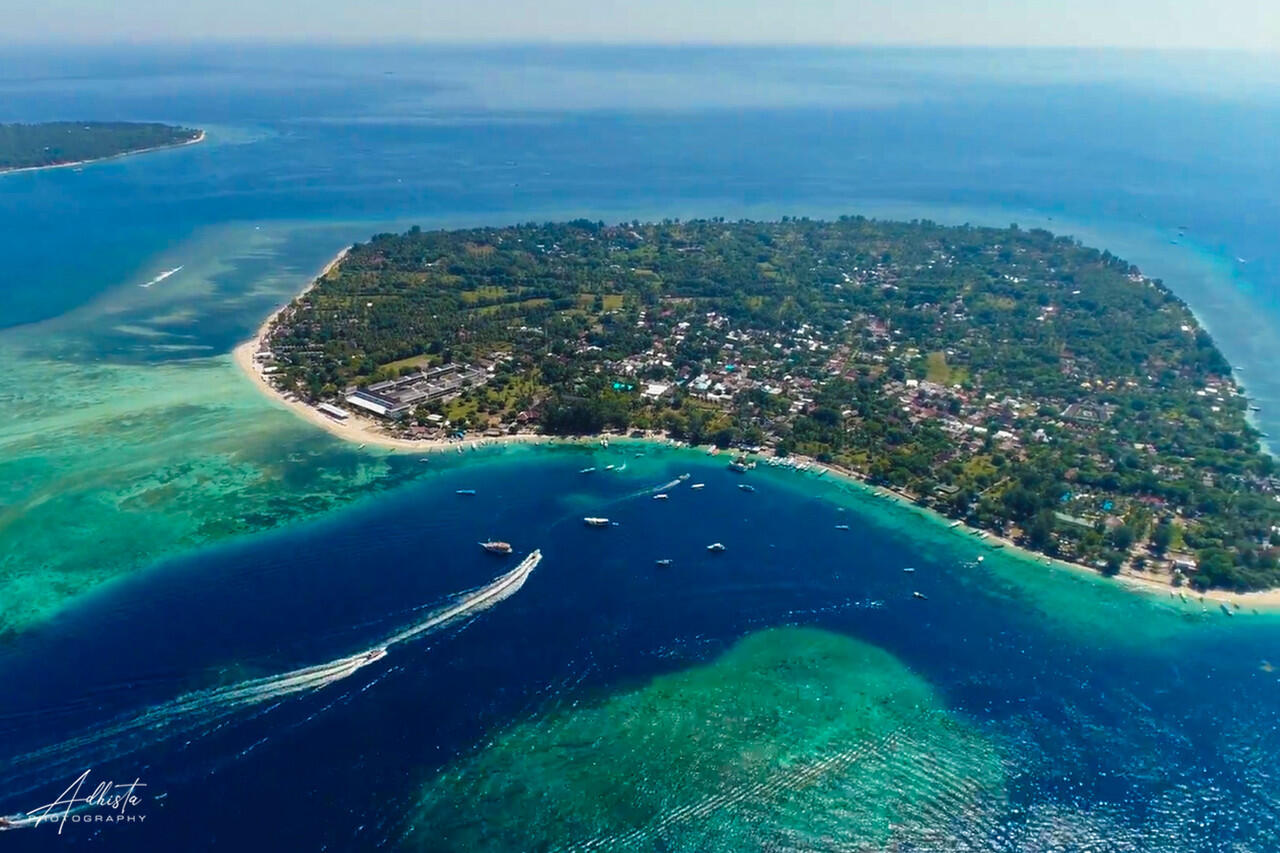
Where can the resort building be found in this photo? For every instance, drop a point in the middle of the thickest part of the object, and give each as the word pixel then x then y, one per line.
pixel 396 397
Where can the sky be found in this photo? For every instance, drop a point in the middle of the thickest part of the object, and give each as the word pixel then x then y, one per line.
pixel 1221 24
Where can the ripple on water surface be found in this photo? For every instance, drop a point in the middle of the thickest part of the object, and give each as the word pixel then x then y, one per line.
pixel 793 739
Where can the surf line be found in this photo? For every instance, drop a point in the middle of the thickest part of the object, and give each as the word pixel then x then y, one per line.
pixel 161 277
pixel 191 712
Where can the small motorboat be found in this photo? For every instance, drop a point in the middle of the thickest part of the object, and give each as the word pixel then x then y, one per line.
pixel 716 548
pixel 590 470
pixel 465 492
pixel 494 547
pixel 375 654
pixel 746 487
pixel 842 527
pixel 593 521
pixel 909 570
pixel 663 563
pixel 698 486
pixel 660 497
pixel 920 595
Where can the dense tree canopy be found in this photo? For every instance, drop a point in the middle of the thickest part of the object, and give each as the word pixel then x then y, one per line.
pixel 1013 378
pixel 49 144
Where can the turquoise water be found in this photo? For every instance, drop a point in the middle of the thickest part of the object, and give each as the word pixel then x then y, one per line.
pixel 158 511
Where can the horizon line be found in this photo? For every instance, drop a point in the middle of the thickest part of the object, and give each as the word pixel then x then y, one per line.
pixel 693 44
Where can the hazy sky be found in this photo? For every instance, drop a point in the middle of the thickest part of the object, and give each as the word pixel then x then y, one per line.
pixel 1249 24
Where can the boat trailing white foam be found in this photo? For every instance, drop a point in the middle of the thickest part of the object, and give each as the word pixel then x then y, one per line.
pixel 199 711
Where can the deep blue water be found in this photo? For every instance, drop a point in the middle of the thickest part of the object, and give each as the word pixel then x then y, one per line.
pixel 1135 726
pixel 1124 738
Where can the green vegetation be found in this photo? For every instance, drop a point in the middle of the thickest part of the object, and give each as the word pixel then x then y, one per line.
pixel 25 146
pixel 792 738
pixel 1014 379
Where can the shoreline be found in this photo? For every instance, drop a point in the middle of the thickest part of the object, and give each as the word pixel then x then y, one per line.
pixel 70 163
pixel 1268 599
pixel 366 432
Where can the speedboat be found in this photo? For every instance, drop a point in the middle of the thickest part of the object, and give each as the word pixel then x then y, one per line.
pixel 375 654
pixel 698 486
pixel 715 548
pixel 592 521
pixel 920 595
pixel 660 497
pixel 495 547
pixel 746 487
pixel 587 470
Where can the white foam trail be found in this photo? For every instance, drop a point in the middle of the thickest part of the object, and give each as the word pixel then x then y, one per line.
pixel 677 481
pixel 161 277
pixel 486 596
pixel 200 709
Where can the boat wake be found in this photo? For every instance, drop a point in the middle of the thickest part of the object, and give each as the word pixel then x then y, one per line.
pixel 202 711
pixel 161 277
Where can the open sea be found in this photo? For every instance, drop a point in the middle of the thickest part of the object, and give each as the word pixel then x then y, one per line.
pixel 192 579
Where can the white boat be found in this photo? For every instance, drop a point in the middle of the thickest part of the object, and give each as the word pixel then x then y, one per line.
pixel 715 548
pixel 698 486
pixel 609 467
pixel 587 470
pixel 842 527
pixel 592 521
pixel 660 497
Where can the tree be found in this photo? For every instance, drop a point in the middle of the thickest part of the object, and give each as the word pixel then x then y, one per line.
pixel 1162 537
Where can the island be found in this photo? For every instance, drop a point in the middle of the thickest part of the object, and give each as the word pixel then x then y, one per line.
pixel 1034 389
pixel 69 143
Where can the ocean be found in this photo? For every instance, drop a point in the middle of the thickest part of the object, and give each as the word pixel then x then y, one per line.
pixel 184 567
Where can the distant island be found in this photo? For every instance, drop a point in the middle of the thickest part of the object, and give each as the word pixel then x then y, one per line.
pixel 67 143
pixel 1011 379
